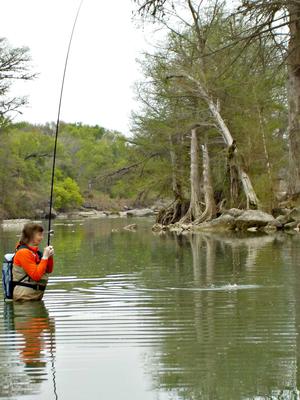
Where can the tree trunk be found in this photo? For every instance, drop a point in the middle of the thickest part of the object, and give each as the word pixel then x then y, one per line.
pixel 234 177
pixel 177 209
pixel 293 62
pixel 249 191
pixel 252 200
pixel 210 205
pixel 194 210
pixel 176 184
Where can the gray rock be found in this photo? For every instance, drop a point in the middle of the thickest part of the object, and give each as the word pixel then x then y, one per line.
pixel 111 214
pixel 90 214
pixel 62 216
pixel 225 222
pixel 257 218
pixel 54 213
pixel 39 213
pixel 144 212
pixel 294 215
pixel 282 219
pixel 276 212
pixel 291 225
pixel 234 212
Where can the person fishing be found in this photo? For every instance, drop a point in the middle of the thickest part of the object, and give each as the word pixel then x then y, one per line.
pixel 31 268
pixel 25 272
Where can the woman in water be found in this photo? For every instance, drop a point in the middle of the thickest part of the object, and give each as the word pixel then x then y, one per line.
pixel 31 267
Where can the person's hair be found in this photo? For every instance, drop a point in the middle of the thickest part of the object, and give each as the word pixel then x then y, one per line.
pixel 28 232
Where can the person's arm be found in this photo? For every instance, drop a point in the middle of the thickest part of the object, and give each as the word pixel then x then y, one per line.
pixel 50 265
pixel 25 259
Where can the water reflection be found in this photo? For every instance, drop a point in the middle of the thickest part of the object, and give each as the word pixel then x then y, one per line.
pixel 29 332
pixel 241 344
pixel 139 316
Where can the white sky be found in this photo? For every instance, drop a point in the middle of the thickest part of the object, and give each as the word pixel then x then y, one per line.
pixel 102 67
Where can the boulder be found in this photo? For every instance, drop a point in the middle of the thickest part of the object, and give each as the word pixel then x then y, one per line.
pixel 294 215
pixel 144 212
pixel 283 219
pixel 278 211
pixel 255 218
pixel 54 214
pixel 234 212
pixel 38 213
pixel 225 222
pixel 291 225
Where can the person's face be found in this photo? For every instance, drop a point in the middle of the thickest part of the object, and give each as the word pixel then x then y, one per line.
pixel 37 238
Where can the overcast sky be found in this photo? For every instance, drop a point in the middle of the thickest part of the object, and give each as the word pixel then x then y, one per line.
pixel 102 66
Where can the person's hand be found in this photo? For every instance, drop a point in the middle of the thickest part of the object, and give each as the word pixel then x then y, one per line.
pixel 48 252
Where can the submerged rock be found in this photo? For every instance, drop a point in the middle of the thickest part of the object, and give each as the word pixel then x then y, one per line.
pixel 131 227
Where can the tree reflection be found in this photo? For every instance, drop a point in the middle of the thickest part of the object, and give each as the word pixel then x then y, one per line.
pixel 239 338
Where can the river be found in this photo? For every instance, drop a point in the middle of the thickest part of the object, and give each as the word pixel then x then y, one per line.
pixel 142 316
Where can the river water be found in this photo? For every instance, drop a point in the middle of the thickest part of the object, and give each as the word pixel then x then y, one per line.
pixel 139 316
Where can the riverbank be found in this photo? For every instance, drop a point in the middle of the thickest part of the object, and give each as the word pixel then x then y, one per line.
pixel 241 220
pixel 9 224
pixel 232 220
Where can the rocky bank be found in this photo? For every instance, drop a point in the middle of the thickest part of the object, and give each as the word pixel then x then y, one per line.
pixel 242 220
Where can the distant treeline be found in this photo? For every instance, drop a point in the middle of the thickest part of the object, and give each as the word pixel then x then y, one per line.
pixel 94 168
pixel 218 123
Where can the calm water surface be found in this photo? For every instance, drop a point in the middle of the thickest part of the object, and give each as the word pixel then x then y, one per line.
pixel 138 316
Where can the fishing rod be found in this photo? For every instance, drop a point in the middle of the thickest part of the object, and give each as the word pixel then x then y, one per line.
pixel 58 121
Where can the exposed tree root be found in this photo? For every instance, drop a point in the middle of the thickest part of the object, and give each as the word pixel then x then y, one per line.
pixel 173 213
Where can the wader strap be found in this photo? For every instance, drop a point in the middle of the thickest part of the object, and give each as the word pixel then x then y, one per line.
pixel 31 286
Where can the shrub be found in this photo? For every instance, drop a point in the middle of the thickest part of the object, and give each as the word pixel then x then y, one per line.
pixel 67 194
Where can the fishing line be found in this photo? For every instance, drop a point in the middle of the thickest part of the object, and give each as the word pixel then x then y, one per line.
pixel 57 123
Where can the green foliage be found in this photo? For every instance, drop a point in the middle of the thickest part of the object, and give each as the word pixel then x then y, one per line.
pixel 87 159
pixel 247 82
pixel 99 167
pixel 67 194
